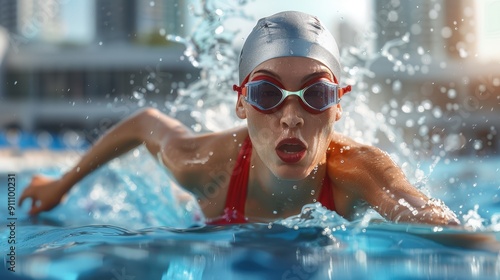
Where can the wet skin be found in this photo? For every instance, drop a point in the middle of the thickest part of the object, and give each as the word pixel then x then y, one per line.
pixel 293 149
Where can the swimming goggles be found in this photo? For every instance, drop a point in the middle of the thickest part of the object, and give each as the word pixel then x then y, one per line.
pixel 267 97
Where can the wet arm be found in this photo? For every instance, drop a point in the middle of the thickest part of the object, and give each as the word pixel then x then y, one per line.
pixel 149 127
pixel 396 199
pixel 369 174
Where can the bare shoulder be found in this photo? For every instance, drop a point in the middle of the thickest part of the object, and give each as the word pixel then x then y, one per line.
pixel 359 166
pixel 367 173
pixel 351 166
pixel 193 159
pixel 345 152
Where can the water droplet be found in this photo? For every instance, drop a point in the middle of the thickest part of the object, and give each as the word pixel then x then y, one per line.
pixel 152 3
pixel 136 153
pixel 452 93
pixel 407 107
pixel 433 14
pixel 410 123
pixel 376 88
pixel 100 43
pixel 436 138
pixel 423 131
pixel 420 50
pixel 275 212
pixel 446 32
pixel 197 127
pixel 294 187
pixel 137 95
pixel 150 86
pixel 219 30
pixel 15 82
pixel 496 82
pixel 453 142
pixel 427 104
pixel 437 113
pixel 219 12
pixel 415 29
pixel 463 53
pixel 392 16
pixel 478 145
pixel 396 86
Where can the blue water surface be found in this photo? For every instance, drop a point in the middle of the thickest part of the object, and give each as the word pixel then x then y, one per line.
pixel 120 224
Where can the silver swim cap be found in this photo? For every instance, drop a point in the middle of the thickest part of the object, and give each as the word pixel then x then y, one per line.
pixel 289 34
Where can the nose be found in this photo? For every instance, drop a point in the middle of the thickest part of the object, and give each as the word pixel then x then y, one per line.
pixel 291 113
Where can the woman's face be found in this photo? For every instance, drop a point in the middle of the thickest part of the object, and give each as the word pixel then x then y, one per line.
pixel 290 141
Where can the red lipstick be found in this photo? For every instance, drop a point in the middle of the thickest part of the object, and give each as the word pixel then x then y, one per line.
pixel 291 150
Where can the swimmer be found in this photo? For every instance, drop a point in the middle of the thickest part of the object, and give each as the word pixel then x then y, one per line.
pixel 287 155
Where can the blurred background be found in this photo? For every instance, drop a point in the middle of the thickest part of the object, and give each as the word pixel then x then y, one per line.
pixel 69 69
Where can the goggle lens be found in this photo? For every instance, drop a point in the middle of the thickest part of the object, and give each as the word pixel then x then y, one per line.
pixel 266 96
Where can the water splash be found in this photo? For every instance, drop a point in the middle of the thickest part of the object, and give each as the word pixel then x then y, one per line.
pixel 126 194
pixel 208 103
pixel 315 215
pixel 363 123
pixel 210 100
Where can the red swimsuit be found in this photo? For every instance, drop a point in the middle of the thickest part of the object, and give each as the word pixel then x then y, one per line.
pixel 234 210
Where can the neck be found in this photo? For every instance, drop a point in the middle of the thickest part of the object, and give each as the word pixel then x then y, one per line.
pixel 281 197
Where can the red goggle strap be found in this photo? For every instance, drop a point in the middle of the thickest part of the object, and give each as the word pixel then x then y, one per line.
pixel 344 90
pixel 239 89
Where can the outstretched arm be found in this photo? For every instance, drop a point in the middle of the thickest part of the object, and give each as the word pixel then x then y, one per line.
pixel 149 127
pixel 366 172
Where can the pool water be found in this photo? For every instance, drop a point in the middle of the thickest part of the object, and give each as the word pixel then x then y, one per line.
pixel 127 221
pixel 120 224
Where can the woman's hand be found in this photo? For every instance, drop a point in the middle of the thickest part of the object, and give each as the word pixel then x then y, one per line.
pixel 45 193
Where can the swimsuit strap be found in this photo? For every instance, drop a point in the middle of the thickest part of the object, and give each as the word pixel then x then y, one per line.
pixel 326 194
pixel 234 209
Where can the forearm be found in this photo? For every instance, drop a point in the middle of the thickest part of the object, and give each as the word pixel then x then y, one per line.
pixel 400 201
pixel 413 208
pixel 149 127
pixel 104 150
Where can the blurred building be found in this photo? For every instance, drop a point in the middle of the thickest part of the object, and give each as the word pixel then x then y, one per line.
pixel 433 65
pixel 70 60
pixel 8 15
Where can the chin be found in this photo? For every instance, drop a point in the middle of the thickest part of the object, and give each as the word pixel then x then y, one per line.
pixel 292 172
